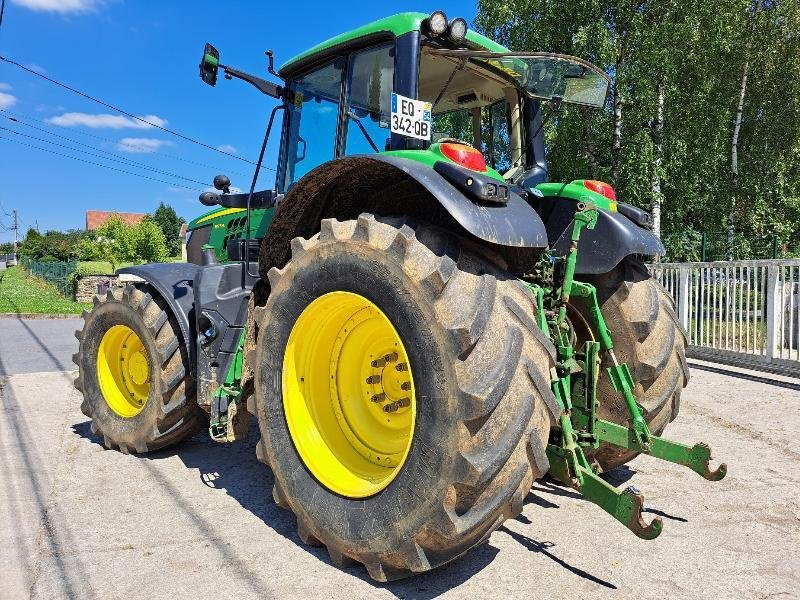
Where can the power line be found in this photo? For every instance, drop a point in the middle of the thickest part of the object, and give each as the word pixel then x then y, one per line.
pixel 2 10
pixel 98 164
pixel 22 118
pixel 126 162
pixel 121 111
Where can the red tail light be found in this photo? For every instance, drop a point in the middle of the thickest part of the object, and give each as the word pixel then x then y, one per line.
pixel 601 187
pixel 464 155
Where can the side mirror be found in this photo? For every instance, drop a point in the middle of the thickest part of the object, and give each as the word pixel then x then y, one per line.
pixel 209 65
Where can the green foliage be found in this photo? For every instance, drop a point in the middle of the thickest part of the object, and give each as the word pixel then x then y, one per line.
pixel 683 246
pixel 697 51
pixel 7 248
pixel 117 241
pixel 149 243
pixel 54 245
pixel 170 224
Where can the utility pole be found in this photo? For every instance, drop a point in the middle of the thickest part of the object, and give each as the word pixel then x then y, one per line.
pixel 15 227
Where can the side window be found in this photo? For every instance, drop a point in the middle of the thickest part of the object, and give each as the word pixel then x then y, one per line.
pixel 369 100
pixel 455 124
pixel 313 116
pixel 496 138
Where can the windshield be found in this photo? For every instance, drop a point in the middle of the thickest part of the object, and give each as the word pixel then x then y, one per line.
pixel 543 76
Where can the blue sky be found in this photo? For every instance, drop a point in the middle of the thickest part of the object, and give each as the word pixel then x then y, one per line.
pixel 142 56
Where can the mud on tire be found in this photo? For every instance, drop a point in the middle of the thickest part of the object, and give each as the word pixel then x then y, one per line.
pixel 648 336
pixel 170 413
pixel 481 371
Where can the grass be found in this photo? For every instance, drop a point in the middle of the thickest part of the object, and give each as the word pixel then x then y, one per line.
pixel 21 293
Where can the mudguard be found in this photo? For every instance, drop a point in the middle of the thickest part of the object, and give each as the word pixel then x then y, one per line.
pixel 391 185
pixel 516 224
pixel 613 238
pixel 174 281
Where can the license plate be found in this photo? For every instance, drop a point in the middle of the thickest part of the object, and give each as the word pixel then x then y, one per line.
pixel 411 118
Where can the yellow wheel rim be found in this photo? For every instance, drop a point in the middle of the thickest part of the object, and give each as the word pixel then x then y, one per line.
pixel 123 371
pixel 348 394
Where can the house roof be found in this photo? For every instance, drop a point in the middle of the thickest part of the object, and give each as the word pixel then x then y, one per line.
pixel 96 218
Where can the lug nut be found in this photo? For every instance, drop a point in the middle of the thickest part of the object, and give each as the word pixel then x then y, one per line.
pixel 406 385
pixel 380 362
pixel 374 379
pixel 378 397
pixel 401 367
pixel 393 406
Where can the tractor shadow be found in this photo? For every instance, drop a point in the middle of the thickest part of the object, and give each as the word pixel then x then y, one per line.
pixel 234 470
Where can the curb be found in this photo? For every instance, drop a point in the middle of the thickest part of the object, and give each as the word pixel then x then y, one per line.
pixel 38 316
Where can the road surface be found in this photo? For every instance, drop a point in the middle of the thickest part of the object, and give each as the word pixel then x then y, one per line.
pixel 198 521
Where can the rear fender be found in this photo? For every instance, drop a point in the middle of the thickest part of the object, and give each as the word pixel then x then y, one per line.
pixel 394 186
pixel 601 249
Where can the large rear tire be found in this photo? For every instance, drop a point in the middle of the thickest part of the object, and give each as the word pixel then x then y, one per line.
pixel 649 338
pixel 479 405
pixel 133 372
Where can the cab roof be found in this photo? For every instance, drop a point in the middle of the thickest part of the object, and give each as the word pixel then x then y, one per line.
pixel 395 25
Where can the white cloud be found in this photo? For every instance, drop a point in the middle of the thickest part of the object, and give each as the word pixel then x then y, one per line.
pixel 58 6
pixel 7 100
pixel 104 121
pixel 227 148
pixel 5 86
pixel 37 68
pixel 142 145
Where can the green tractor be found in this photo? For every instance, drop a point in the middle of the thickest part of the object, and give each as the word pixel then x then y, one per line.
pixel 416 316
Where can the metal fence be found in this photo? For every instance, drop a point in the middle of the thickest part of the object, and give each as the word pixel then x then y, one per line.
pixel 745 313
pixel 56 273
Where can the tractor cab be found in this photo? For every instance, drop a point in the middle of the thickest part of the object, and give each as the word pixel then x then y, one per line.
pixel 440 93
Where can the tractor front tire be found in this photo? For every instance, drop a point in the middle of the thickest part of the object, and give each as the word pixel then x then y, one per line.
pixel 133 372
pixel 649 338
pixel 400 473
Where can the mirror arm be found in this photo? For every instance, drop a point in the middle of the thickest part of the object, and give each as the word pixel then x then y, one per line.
pixel 264 86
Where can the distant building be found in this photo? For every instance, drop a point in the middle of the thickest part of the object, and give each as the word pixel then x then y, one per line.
pixel 182 235
pixel 96 218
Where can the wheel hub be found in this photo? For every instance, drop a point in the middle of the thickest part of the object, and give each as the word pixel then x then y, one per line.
pixel 348 394
pixel 123 371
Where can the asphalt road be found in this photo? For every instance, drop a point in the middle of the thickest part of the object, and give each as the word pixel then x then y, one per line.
pixel 198 521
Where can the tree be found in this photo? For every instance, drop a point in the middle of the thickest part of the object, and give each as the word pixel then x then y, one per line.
pixel 170 224
pixel 149 242
pixel 683 133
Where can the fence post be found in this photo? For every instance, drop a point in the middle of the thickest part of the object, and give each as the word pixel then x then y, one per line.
pixel 683 296
pixel 703 246
pixel 773 311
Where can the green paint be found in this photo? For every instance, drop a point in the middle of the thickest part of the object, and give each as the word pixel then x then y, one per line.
pixel 230 223
pixel 228 393
pixel 395 25
pixel 695 457
pixel 575 190
pixel 433 155
pixel 574 386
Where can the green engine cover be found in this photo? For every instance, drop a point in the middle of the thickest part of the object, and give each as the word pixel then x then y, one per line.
pixel 222 225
